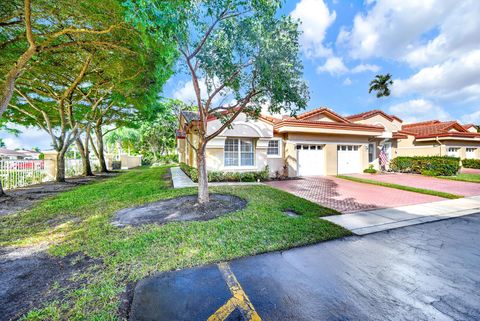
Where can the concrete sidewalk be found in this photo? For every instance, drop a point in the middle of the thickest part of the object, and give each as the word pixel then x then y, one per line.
pixel 362 223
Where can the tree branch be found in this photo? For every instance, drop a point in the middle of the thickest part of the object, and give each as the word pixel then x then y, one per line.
pixel 28 23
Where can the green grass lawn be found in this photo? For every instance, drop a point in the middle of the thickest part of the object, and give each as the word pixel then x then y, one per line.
pixel 402 187
pixel 79 221
pixel 472 178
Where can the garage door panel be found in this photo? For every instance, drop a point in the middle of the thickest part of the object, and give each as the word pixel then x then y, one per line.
pixel 348 159
pixel 310 160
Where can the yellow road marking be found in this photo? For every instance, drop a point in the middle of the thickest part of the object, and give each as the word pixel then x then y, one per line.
pixel 239 300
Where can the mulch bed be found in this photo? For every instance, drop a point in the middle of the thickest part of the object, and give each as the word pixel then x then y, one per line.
pixel 184 208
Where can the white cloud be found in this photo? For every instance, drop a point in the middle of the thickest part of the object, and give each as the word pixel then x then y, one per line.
pixel 392 28
pixel 29 138
pixel 334 66
pixel 473 118
pixel 365 67
pixel 439 39
pixel 316 18
pixel 419 110
pixel 186 93
pixel 456 79
pixel 347 82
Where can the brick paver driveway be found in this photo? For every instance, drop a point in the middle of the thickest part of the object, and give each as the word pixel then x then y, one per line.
pixel 436 184
pixel 470 171
pixel 347 196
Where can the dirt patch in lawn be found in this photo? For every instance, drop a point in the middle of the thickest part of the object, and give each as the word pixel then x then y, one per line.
pixel 184 208
pixel 23 198
pixel 29 278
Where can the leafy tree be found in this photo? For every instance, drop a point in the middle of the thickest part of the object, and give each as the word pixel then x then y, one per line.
pixel 2 143
pixel 45 98
pixel 246 56
pixel 157 130
pixel 123 139
pixel 29 29
pixel 380 84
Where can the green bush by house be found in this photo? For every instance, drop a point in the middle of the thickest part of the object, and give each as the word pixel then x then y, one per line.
pixel 370 170
pixel 217 176
pixel 471 163
pixel 427 165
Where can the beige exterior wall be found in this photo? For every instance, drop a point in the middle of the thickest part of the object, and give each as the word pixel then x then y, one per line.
pixel 380 120
pixel 330 153
pixel 410 147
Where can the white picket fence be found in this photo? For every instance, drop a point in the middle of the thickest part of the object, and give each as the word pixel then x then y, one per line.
pixel 20 173
pixel 73 167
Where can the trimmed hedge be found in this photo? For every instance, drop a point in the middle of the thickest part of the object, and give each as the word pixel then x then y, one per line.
pixel 471 163
pixel 217 176
pixel 429 165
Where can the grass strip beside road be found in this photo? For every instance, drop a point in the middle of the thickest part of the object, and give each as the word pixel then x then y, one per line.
pixel 470 178
pixel 401 187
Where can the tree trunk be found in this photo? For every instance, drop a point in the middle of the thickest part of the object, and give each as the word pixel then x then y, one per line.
pixel 60 177
pixel 9 85
pixel 100 151
pixel 203 195
pixel 2 193
pixel 84 153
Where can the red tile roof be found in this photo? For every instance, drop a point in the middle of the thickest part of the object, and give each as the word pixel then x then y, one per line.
pixel 436 128
pixel 371 113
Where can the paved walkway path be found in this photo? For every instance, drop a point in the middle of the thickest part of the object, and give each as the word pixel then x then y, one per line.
pixel 181 180
pixel 362 223
pixel 420 181
pixel 346 196
pixel 424 272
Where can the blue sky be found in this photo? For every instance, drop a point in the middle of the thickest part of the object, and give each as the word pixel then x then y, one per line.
pixel 431 47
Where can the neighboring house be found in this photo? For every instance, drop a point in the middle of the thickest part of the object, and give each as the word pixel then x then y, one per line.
pixel 471 128
pixel 322 142
pixel 437 138
pixel 11 154
pixel 29 154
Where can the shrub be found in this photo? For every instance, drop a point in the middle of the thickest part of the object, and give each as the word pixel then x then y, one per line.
pixel 471 163
pixel 370 170
pixel 429 165
pixel 217 176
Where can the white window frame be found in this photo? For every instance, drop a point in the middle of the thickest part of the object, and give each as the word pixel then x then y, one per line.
pixel 374 152
pixel 279 155
pixel 453 154
pixel 239 155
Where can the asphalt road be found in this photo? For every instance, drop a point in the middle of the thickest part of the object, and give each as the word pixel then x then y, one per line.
pixel 422 272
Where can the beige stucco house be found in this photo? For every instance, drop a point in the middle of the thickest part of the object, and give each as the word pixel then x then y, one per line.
pixel 322 142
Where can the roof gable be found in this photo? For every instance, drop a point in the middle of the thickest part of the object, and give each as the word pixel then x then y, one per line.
pixel 322 114
pixel 372 113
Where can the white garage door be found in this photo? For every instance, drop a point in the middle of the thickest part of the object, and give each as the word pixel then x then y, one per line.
pixel 349 160
pixel 310 160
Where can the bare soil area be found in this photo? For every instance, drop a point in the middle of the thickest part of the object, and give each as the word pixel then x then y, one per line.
pixel 30 277
pixel 22 198
pixel 184 208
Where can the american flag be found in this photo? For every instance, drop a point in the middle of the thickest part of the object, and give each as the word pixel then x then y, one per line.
pixel 383 157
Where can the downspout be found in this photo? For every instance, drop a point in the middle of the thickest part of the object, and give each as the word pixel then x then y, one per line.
pixel 440 144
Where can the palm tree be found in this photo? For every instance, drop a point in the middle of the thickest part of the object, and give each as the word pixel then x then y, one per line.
pixel 380 84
